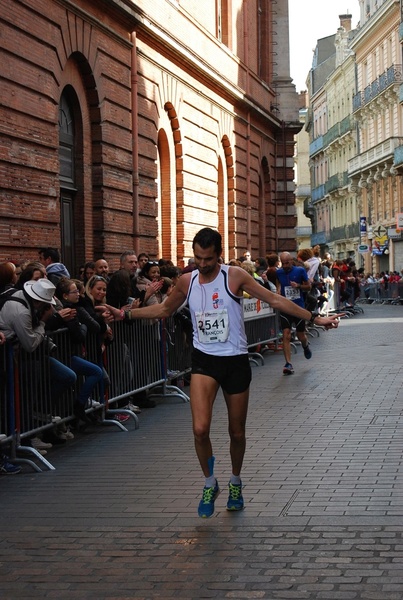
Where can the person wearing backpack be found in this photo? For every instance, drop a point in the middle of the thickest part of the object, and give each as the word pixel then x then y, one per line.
pixel 23 317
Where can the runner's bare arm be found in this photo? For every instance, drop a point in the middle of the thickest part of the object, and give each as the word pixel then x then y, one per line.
pixel 155 311
pixel 240 280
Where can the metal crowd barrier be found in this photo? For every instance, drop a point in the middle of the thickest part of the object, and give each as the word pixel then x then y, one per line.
pixel 137 359
pixel 176 351
pixel 7 424
pixel 144 355
pixel 262 327
pixel 381 293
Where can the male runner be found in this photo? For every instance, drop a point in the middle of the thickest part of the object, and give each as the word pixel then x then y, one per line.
pixel 214 293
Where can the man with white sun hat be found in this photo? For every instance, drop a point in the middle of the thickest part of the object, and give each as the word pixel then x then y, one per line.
pixel 23 317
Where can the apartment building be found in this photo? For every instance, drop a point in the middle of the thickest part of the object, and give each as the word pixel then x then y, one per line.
pixel 333 205
pixel 379 116
pixel 356 128
pixel 303 230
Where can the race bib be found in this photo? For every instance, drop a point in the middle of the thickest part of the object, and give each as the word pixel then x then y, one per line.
pixel 292 293
pixel 212 326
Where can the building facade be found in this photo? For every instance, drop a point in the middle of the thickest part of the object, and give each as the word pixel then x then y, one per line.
pixel 333 206
pixel 130 125
pixel 355 126
pixel 303 230
pixel 379 118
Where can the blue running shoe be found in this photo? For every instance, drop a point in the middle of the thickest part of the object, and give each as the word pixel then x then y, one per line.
pixel 288 369
pixel 307 352
pixel 206 505
pixel 235 498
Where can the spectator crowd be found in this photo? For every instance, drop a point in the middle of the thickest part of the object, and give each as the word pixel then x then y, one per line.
pixel 38 297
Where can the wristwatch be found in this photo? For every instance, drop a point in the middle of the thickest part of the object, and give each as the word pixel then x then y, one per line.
pixel 313 317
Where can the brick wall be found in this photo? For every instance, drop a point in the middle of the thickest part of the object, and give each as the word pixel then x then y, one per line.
pixel 205 121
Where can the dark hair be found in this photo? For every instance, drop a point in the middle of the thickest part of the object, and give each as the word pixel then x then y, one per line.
pixel 146 269
pixel 28 272
pixel 63 287
pixel 272 259
pixel 7 271
pixel 120 283
pixel 165 262
pixel 166 285
pixel 207 237
pixel 168 271
pixel 52 253
pixel 88 265
pixel 261 263
pixel 142 254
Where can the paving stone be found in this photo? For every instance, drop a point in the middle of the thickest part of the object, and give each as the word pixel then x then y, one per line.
pixel 323 491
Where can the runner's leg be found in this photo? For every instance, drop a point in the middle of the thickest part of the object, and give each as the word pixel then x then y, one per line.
pixel 287 344
pixel 237 407
pixel 203 391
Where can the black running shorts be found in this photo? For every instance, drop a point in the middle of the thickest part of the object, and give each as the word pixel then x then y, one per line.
pixel 233 373
pixel 286 322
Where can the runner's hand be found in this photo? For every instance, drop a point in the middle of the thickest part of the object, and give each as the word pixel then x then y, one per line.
pixel 331 322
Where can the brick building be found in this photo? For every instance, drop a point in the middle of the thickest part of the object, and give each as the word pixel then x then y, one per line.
pixel 132 124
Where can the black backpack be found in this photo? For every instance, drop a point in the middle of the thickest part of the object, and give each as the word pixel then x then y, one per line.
pixel 9 295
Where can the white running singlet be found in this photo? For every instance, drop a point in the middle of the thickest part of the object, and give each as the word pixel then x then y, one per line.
pixel 217 316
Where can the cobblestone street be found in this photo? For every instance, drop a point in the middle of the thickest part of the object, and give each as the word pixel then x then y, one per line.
pixel 323 481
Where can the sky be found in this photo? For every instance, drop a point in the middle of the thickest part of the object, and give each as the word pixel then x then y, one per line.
pixel 311 20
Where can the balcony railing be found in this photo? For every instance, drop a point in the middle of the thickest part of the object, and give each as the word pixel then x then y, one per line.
pixel 378 154
pixel 332 134
pixel 344 232
pixel 332 184
pixel 336 182
pixel 398 156
pixel 391 76
pixel 318 193
pixel 335 132
pixel 316 145
pixel 319 237
pixel 346 125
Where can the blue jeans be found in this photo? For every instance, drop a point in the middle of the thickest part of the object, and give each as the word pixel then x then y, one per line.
pixel 61 378
pixel 92 373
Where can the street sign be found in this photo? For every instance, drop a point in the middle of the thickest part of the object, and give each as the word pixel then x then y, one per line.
pixel 394 234
pixel 363 248
pixel 380 231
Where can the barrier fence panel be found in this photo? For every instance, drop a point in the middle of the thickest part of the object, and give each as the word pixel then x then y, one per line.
pixel 6 379
pixel 31 401
pixel 377 292
pixel 133 359
pixel 62 350
pixel 176 352
pixel 262 326
pixel 144 355
pixel 178 345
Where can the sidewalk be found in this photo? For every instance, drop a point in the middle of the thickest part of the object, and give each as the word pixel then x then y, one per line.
pixel 323 481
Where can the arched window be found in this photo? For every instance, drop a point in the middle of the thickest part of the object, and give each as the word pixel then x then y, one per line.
pixel 67 176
